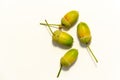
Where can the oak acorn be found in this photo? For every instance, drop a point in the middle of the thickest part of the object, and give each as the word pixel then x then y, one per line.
pixel 68 20
pixel 61 37
pixel 68 59
pixel 84 36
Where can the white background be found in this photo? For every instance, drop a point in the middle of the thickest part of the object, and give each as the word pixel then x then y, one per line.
pixel 27 51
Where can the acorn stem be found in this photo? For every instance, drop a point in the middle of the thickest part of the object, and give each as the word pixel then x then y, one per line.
pixel 49 27
pixel 92 54
pixel 50 24
pixel 59 71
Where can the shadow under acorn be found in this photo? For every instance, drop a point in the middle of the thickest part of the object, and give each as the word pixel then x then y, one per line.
pixel 92 58
pixel 60 45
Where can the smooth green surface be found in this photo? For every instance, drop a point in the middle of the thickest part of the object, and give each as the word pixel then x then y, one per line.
pixel 84 36
pixel 70 19
pixel 69 58
pixel 83 33
pixel 63 38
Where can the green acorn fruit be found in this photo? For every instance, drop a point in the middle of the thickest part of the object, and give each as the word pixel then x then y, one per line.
pixel 68 20
pixel 61 37
pixel 68 59
pixel 84 36
pixel 83 32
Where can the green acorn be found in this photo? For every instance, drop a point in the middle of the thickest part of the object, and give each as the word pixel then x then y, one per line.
pixel 84 36
pixel 70 19
pixel 61 37
pixel 67 21
pixel 83 32
pixel 68 59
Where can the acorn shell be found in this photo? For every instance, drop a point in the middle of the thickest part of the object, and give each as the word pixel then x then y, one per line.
pixel 62 38
pixel 83 33
pixel 69 58
pixel 70 19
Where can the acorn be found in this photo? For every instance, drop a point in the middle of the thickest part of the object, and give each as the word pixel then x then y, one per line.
pixel 84 36
pixel 68 59
pixel 61 37
pixel 83 32
pixel 67 21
